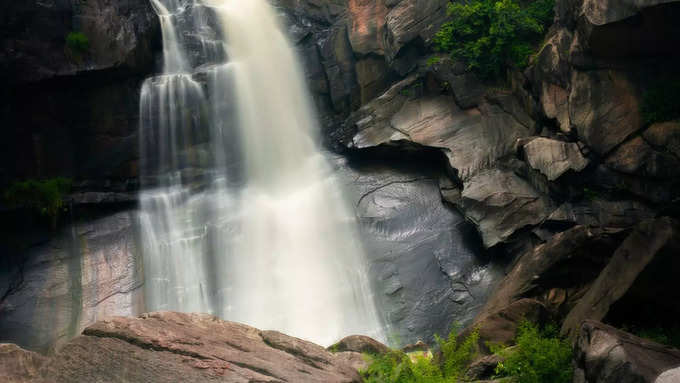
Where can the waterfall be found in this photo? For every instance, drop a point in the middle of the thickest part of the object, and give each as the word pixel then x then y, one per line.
pixel 241 214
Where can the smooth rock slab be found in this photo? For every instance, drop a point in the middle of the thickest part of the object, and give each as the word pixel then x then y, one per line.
pixel 174 347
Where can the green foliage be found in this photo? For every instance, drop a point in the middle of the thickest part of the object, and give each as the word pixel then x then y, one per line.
pixel 397 367
pixel 661 102
pixel 77 43
pixel 43 196
pixel 493 34
pixel 540 356
pixel 667 336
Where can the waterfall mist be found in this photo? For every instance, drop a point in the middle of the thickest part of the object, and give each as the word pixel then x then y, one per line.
pixel 242 216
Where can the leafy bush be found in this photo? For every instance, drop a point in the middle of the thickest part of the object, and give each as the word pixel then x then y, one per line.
pixel 661 102
pixel 397 367
pixel 540 356
pixel 77 42
pixel 493 34
pixel 43 196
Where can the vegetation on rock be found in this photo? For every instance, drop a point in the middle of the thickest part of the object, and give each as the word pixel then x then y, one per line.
pixel 540 356
pixel 662 102
pixel 491 35
pixel 43 196
pixel 398 367
pixel 77 43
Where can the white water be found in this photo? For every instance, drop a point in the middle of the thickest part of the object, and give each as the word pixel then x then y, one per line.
pixel 274 245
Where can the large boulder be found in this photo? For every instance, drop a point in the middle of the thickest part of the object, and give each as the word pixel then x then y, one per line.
pixel 607 355
pixel 501 203
pixel 472 139
pixel 554 158
pixel 166 346
pixel 18 365
pixel 650 239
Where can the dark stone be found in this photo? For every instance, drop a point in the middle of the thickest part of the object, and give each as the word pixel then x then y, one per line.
pixel 607 355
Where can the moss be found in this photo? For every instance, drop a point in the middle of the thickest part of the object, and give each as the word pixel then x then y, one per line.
pixel 77 45
pixel 45 197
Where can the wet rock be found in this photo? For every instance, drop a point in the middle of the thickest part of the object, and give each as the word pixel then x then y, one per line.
pixel 650 239
pixel 87 271
pixel 500 203
pixel 20 366
pixel 553 158
pixel 607 355
pixel 367 19
pixel 423 259
pixel 360 344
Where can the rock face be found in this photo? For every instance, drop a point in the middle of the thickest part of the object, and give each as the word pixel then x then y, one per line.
pixel 166 346
pixel 90 270
pixel 422 255
pixel 605 354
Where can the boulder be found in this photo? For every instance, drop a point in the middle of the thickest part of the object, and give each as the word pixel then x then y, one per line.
pixel 669 376
pixel 360 344
pixel 484 367
pixel 638 158
pixel 500 327
pixel 602 213
pixel 167 346
pixel 556 271
pixel 604 107
pixel 664 136
pixel 472 139
pixel 607 355
pixel 553 158
pixel 367 19
pixel 411 19
pixel 20 366
pixel 651 238
pixel 500 203
pixel 600 12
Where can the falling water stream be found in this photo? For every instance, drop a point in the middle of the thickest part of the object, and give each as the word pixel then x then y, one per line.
pixel 242 216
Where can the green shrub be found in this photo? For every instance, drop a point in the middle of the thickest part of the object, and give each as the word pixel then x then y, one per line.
pixel 540 356
pixel 77 43
pixel 43 196
pixel 667 336
pixel 661 102
pixel 491 35
pixel 397 367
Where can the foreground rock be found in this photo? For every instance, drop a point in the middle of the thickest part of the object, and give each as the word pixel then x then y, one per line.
pixel 607 355
pixel 173 347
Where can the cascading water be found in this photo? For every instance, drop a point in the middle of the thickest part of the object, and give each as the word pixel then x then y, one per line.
pixel 241 214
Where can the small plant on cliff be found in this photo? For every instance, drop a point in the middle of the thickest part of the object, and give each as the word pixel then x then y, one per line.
pixel 45 197
pixel 77 43
pixel 491 35
pixel 398 367
pixel 540 356
pixel 661 102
